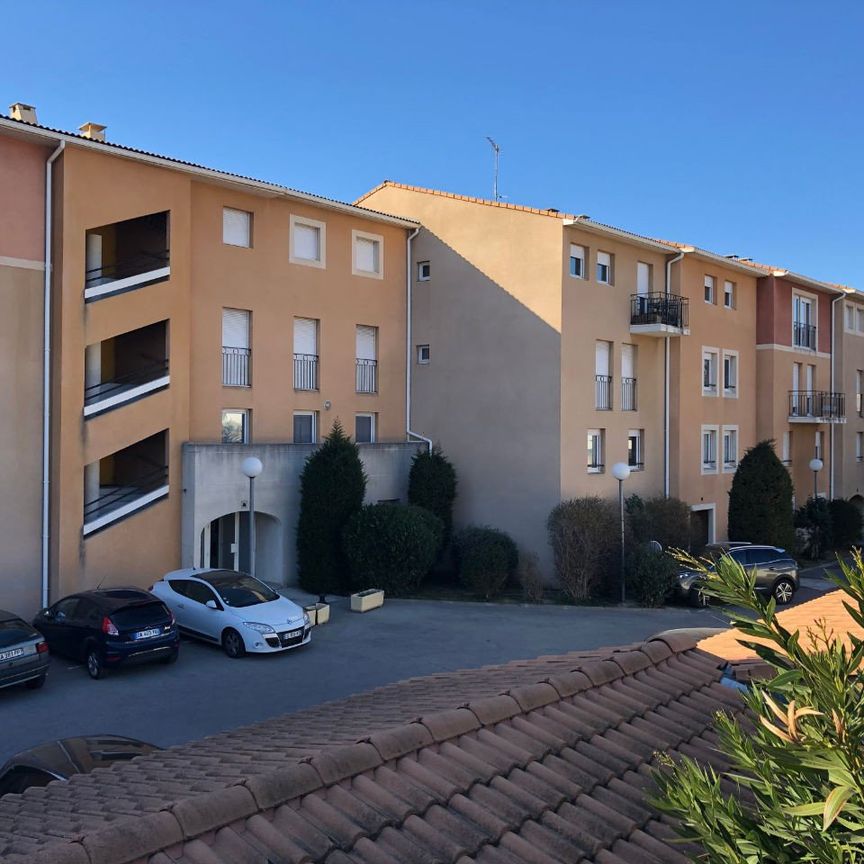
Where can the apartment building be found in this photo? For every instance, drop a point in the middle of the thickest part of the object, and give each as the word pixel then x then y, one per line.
pixel 189 306
pixel 847 440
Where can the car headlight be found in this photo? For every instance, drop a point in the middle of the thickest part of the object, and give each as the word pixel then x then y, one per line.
pixel 260 628
pixel 306 619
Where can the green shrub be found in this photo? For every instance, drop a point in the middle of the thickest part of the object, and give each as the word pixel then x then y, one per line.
pixel 585 536
pixel 666 520
pixel 530 578
pixel 760 501
pixel 846 523
pixel 650 576
pixel 332 487
pixel 486 559
pixel 814 529
pixel 391 546
pixel 432 484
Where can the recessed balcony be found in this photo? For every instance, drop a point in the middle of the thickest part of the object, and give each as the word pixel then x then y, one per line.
pixel 659 314
pixel 816 406
pixel 126 255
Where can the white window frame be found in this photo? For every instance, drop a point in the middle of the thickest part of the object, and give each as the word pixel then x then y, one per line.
pixel 712 518
pixel 423 355
pixel 710 282
pixel 649 269
pixel 732 355
pixel 420 266
pixel 247 425
pixel 819 444
pixel 705 463
pixel 813 300
pixel 730 467
pixel 728 294
pixel 786 448
pixel 859 446
pixel 859 319
pixel 375 238
pixel 639 434
pixel 314 416
pixel 610 268
pixel 708 352
pixel 849 317
pixel 321 261
pixel 582 257
pixel 249 219
pixel 373 427
pixel 596 469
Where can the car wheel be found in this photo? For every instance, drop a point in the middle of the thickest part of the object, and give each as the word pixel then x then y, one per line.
pixel 36 683
pixel 783 591
pixel 95 666
pixel 232 642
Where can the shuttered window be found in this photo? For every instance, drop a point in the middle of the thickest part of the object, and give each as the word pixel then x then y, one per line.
pixel 235 328
pixel 577 261
pixel 367 254
pixel 308 241
pixel 366 339
pixel 604 267
pixel 628 361
pixel 602 357
pixel 305 336
pixel 236 227
pixel 643 277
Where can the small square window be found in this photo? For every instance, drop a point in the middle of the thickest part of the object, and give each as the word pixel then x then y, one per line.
pixel 577 261
pixel 235 426
pixel 307 243
pixel 424 271
pixel 730 373
pixel 730 449
pixel 236 227
pixel 709 450
pixel 367 254
pixel 364 428
pixel 305 427
pixel 709 373
pixel 423 355
pixel 604 268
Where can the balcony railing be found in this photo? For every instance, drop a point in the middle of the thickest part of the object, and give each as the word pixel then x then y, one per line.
pixel 628 394
pixel 804 335
pixel 125 388
pixel 603 392
pixel 115 502
pixel 367 376
pixel 817 406
pixel 134 272
pixel 305 371
pixel 659 309
pixel 235 366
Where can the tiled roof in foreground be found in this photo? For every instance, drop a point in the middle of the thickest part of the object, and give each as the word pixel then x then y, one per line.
pixel 538 761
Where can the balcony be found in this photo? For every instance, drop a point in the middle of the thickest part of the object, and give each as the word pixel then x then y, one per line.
pixel 126 255
pixel 126 368
pixel 628 394
pixel 306 372
pixel 125 482
pixel 603 392
pixel 659 314
pixel 816 406
pixel 366 376
pixel 804 335
pixel 235 366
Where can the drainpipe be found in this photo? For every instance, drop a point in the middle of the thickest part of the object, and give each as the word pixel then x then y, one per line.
pixel 666 374
pixel 46 372
pixel 408 345
pixel 833 390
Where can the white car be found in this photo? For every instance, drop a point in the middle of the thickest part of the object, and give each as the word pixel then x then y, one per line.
pixel 234 610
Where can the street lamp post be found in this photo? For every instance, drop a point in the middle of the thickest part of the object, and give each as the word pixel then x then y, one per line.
pixel 251 466
pixel 816 466
pixel 621 471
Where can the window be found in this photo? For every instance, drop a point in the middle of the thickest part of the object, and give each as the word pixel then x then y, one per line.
pixel 307 242
pixel 859 320
pixel 424 271
pixel 859 446
pixel 787 448
pixel 305 427
pixel 577 261
pixel 850 317
pixel 859 390
pixel 236 353
pixel 803 322
pixel 364 428
pixel 730 448
pixel 634 449
pixel 603 376
pixel 367 254
pixel 595 451
pixel 366 372
pixel 709 289
pixel 643 277
pixel 305 354
pixel 236 227
pixel 729 294
pixel 604 268
pixel 820 445
pixel 235 426
pixel 628 377
pixel 423 355
pixel 709 449
pixel 709 371
pixel 730 373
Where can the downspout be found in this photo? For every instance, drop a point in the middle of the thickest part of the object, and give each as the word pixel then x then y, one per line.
pixel 408 345
pixel 666 376
pixel 833 390
pixel 46 371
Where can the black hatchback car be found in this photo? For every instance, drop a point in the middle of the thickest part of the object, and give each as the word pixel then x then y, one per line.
pixel 108 627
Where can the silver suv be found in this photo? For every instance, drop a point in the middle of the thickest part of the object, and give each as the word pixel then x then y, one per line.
pixel 776 571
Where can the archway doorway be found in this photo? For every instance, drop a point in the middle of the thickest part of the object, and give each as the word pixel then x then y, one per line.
pixel 225 544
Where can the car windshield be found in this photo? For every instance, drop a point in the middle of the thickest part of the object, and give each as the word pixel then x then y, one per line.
pixel 14 631
pixel 239 590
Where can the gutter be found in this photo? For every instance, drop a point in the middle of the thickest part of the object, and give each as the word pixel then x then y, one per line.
pixel 666 385
pixel 409 341
pixel 46 370
pixel 625 236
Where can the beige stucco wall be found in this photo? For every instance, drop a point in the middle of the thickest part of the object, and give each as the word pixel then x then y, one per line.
pixel 849 358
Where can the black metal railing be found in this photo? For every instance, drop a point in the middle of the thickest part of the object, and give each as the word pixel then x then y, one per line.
pixel 709 464
pixel 118 496
pixel 603 392
pixel 144 262
pixel 670 310
pixel 122 383
pixel 235 366
pixel 305 371
pixel 636 466
pixel 817 404
pixel 804 335
pixel 596 466
pixel 366 376
pixel 628 394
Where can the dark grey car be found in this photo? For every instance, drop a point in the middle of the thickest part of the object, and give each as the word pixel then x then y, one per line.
pixel 776 570
pixel 23 653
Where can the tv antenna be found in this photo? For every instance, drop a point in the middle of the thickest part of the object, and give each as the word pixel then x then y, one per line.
pixel 496 150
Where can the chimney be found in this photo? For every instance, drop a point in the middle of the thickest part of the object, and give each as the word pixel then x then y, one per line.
pixel 22 112
pixel 93 131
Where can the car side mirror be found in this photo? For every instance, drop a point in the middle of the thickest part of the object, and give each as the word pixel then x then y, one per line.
pixel 46 613
pixel 211 604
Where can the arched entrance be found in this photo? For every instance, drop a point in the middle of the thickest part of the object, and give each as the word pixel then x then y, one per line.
pixel 225 543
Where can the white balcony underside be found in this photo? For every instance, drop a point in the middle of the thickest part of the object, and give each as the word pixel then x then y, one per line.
pixel 125 510
pixel 805 418
pixel 129 395
pixel 117 285
pixel 658 330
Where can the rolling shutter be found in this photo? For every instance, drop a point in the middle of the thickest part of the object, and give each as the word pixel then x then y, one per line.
pixel 628 361
pixel 236 227
pixel 307 242
pixel 366 338
pixel 305 336
pixel 601 359
pixel 643 278
pixel 366 255
pixel 235 328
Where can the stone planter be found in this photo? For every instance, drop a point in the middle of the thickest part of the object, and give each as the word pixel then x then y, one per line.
pixel 319 613
pixel 365 601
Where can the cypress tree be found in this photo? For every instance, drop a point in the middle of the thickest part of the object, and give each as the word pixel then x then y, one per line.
pixel 432 484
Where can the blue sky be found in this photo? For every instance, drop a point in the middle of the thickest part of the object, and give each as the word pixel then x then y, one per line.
pixel 733 125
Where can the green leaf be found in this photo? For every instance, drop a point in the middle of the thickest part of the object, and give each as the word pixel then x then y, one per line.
pixel 814 809
pixel 834 803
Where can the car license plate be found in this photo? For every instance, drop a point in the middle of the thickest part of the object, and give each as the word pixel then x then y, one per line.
pixel 11 655
pixel 146 634
pixel 293 634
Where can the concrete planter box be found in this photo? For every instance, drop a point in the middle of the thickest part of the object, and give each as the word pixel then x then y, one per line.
pixel 366 601
pixel 319 613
